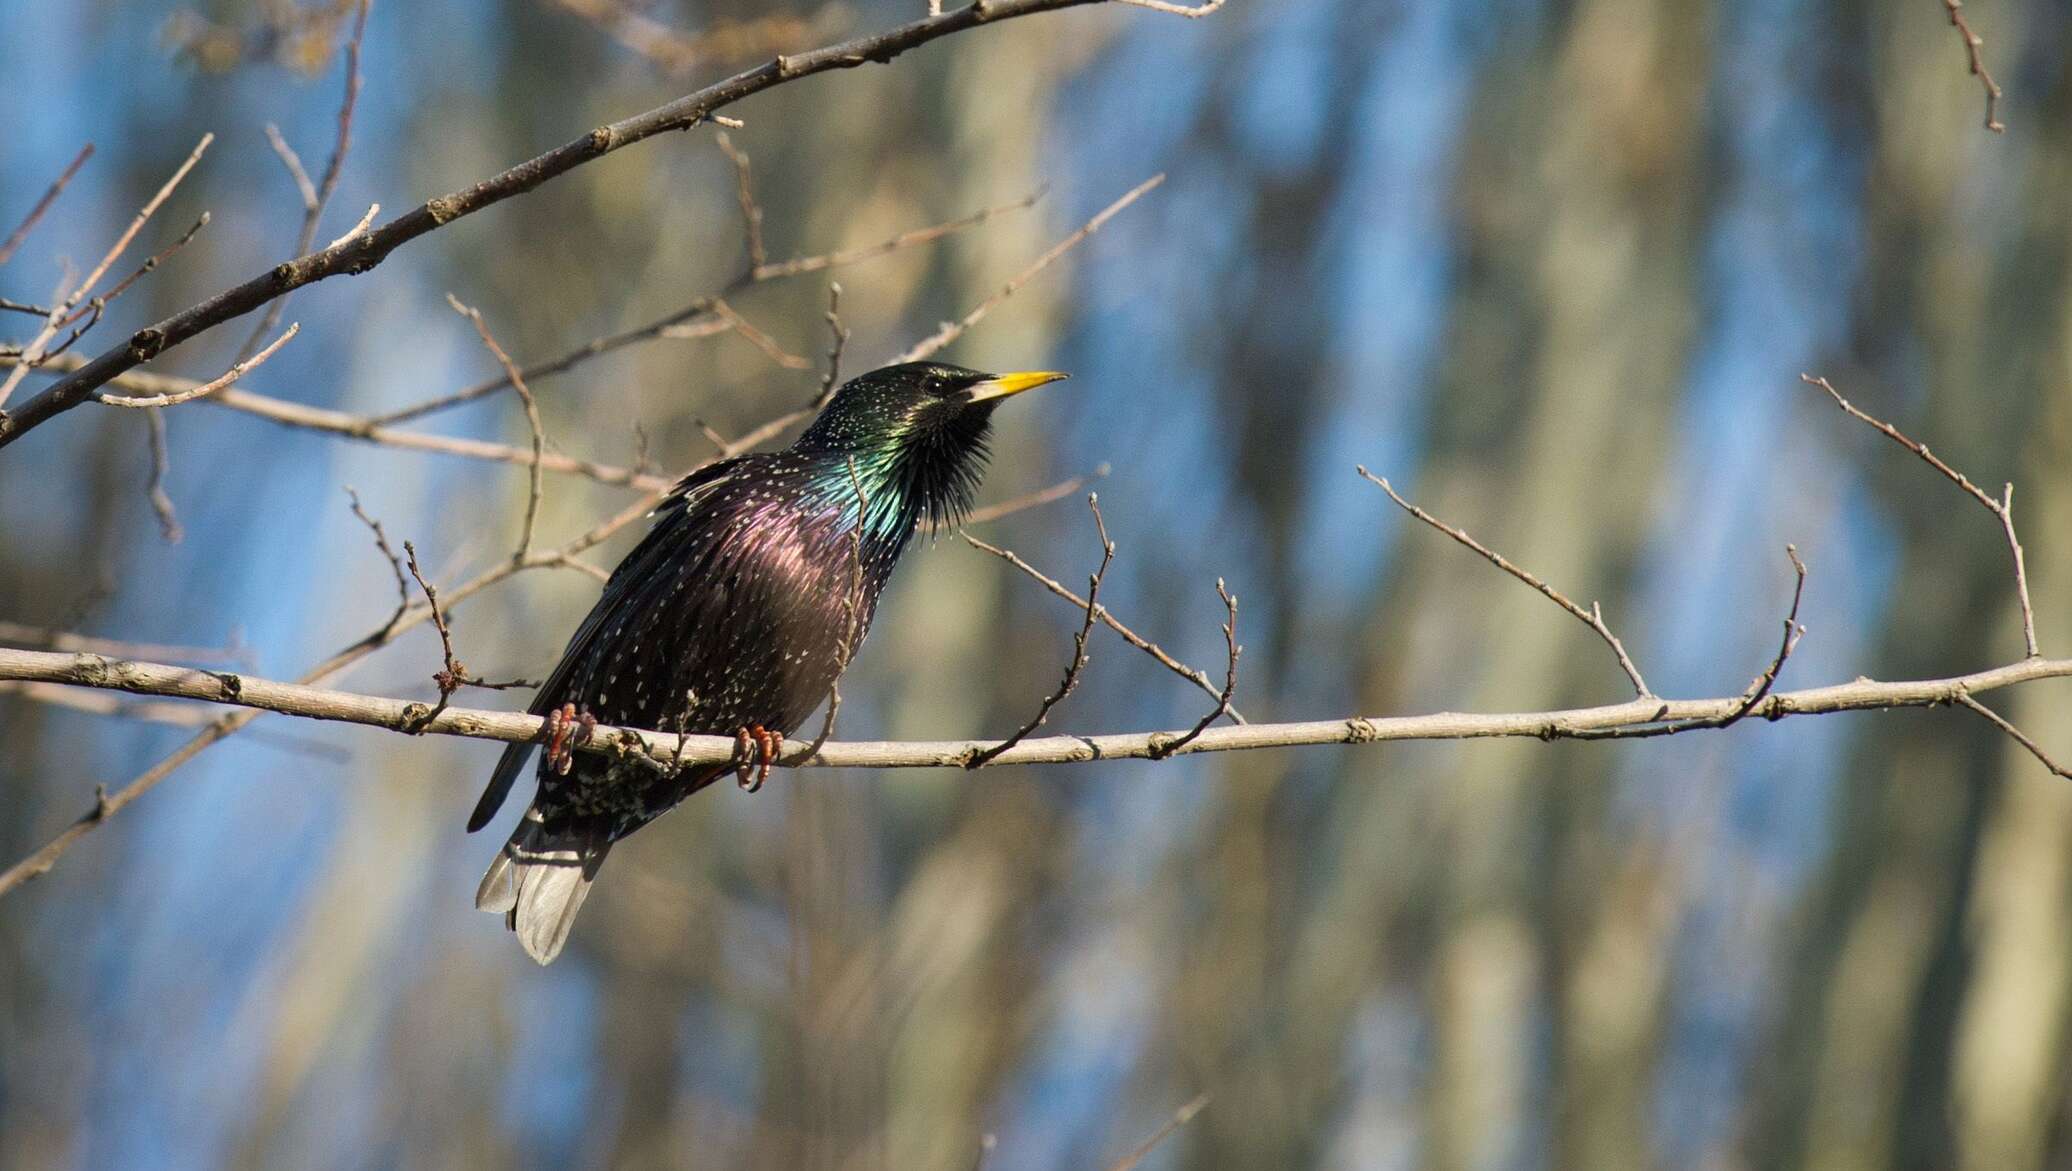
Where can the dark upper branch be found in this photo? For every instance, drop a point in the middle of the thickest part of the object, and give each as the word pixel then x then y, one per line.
pixel 359 253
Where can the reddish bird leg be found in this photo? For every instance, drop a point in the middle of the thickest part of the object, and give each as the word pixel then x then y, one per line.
pixel 755 750
pixel 566 728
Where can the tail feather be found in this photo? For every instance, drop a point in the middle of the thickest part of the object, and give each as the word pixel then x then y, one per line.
pixel 539 881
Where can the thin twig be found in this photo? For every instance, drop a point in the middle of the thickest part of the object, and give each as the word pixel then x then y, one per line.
pixel 952 330
pixel 2002 508
pixel 1222 707
pixel 366 218
pixel 744 194
pixel 2020 737
pixel 314 202
pixel 1191 12
pixel 754 337
pixel 154 489
pixel 1757 691
pixel 702 308
pixel 233 653
pixel 453 675
pixel 1193 675
pixel 50 196
pixel 448 678
pixel 381 543
pixel 1592 618
pixel 831 381
pixel 376 245
pixel 1972 44
pixel 537 485
pixel 37 350
pixel 1180 1118
pixel 293 162
pixel 95 307
pixel 207 388
pixel 1077 663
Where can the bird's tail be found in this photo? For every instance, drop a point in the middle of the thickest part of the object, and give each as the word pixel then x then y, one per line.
pixel 539 880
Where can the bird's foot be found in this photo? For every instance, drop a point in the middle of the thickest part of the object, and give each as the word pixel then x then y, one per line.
pixel 567 727
pixel 755 750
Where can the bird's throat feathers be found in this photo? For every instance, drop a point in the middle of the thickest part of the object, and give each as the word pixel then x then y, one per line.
pixel 926 472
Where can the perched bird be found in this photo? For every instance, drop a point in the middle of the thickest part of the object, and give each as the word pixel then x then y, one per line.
pixel 734 617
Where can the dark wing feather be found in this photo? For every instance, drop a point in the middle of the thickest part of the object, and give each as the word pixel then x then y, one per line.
pixel 636 567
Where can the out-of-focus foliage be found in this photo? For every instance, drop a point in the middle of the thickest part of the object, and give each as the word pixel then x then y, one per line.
pixel 1554 268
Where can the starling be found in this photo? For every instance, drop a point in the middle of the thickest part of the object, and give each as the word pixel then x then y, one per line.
pixel 734 616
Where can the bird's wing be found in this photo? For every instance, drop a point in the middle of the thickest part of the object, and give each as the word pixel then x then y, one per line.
pixel 688 491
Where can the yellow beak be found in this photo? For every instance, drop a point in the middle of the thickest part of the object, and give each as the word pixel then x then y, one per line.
pixel 1002 385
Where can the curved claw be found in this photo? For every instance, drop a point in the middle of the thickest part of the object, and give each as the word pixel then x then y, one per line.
pixel 755 751
pixel 567 727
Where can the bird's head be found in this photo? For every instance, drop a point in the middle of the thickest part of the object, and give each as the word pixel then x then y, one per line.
pixel 916 431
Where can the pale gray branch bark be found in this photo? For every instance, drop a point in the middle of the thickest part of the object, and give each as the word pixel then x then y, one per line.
pixel 409 717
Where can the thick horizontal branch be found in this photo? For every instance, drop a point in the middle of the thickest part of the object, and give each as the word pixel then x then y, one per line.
pixel 362 252
pixel 396 715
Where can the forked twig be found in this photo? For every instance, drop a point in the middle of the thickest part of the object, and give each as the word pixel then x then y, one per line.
pixel 38 349
pixel 381 543
pixel 1751 697
pixel 1229 678
pixel 2003 508
pixel 1077 664
pixel 316 198
pixel 450 677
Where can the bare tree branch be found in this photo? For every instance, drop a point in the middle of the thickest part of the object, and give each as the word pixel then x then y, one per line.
pixel 92 310
pixel 744 194
pixel 257 695
pixel 1963 698
pixel 1592 618
pixel 234 652
pixel 38 349
pixel 314 200
pixel 154 489
pixel 537 486
pixel 1972 44
pixel 50 196
pixel 1191 12
pixel 1184 1114
pixel 2002 508
pixel 1193 675
pixel 366 251
pixel 1222 707
pixel 1074 666
pixel 952 330
pixel 204 389
pixel 381 543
